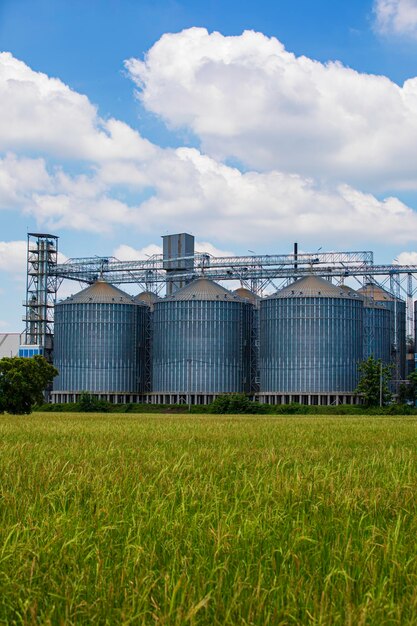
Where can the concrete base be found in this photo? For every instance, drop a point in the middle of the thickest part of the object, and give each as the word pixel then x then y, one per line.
pixel 314 399
pixel 275 398
pixel 63 397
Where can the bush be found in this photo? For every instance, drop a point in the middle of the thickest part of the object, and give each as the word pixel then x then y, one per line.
pixel 89 404
pixel 235 403
pixel 226 404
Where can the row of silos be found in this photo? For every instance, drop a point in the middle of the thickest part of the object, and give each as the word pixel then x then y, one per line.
pixel 204 340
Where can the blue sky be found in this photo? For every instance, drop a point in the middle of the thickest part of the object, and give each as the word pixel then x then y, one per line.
pixel 249 142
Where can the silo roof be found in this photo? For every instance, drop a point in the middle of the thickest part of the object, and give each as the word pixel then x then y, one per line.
pixel 352 291
pixel 368 302
pixel 314 287
pixel 247 294
pixel 377 293
pixel 149 297
pixel 204 289
pixel 100 292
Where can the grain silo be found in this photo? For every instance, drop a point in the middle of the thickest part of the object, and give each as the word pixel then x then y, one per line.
pixel 247 294
pixel 377 323
pixel 147 297
pixel 100 337
pixel 397 307
pixel 201 344
pixel 311 342
pixel 254 299
pixel 377 331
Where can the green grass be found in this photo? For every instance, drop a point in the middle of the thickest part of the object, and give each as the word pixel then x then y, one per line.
pixel 144 519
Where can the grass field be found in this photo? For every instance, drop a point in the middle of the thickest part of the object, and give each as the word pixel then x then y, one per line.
pixel 121 519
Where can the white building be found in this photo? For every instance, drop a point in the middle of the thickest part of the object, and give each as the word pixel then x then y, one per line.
pixel 9 344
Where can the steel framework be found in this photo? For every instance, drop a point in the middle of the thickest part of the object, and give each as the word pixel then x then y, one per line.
pixel 41 290
pixel 256 272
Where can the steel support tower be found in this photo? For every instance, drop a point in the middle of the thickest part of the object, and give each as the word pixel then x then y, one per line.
pixel 41 288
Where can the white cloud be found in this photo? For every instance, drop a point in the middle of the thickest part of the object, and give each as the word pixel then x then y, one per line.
pixel 397 17
pixel 247 98
pixel 406 258
pixel 206 246
pixel 13 257
pixel 75 211
pixel 20 177
pixel 127 253
pixel 129 183
pixel 193 192
pixel 43 114
pixel 266 207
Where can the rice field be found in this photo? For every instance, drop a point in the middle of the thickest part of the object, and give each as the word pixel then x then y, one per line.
pixel 172 520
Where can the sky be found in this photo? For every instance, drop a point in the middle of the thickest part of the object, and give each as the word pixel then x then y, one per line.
pixel 249 125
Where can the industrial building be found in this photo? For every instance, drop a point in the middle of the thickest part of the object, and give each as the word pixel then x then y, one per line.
pixel 185 338
pixel 9 344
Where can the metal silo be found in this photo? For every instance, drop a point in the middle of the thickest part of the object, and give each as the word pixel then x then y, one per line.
pixel 201 344
pixel 100 343
pixel 415 337
pixel 147 297
pixel 254 299
pixel 247 294
pixel 377 330
pixel 377 323
pixel 398 323
pixel 311 341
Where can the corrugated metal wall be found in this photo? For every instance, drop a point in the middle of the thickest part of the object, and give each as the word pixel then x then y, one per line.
pixel 377 332
pixel 100 347
pixel 310 344
pixel 401 332
pixel 201 346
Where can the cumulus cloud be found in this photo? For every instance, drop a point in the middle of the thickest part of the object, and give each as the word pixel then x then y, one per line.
pixel 206 246
pixel 397 17
pixel 75 211
pixel 43 114
pixel 128 253
pixel 406 258
pixel 20 176
pixel 13 257
pixel 210 198
pixel 128 182
pixel 271 206
pixel 247 98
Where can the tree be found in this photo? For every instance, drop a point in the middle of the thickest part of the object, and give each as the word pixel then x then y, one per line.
pixel 408 391
pixel 22 383
pixel 374 378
